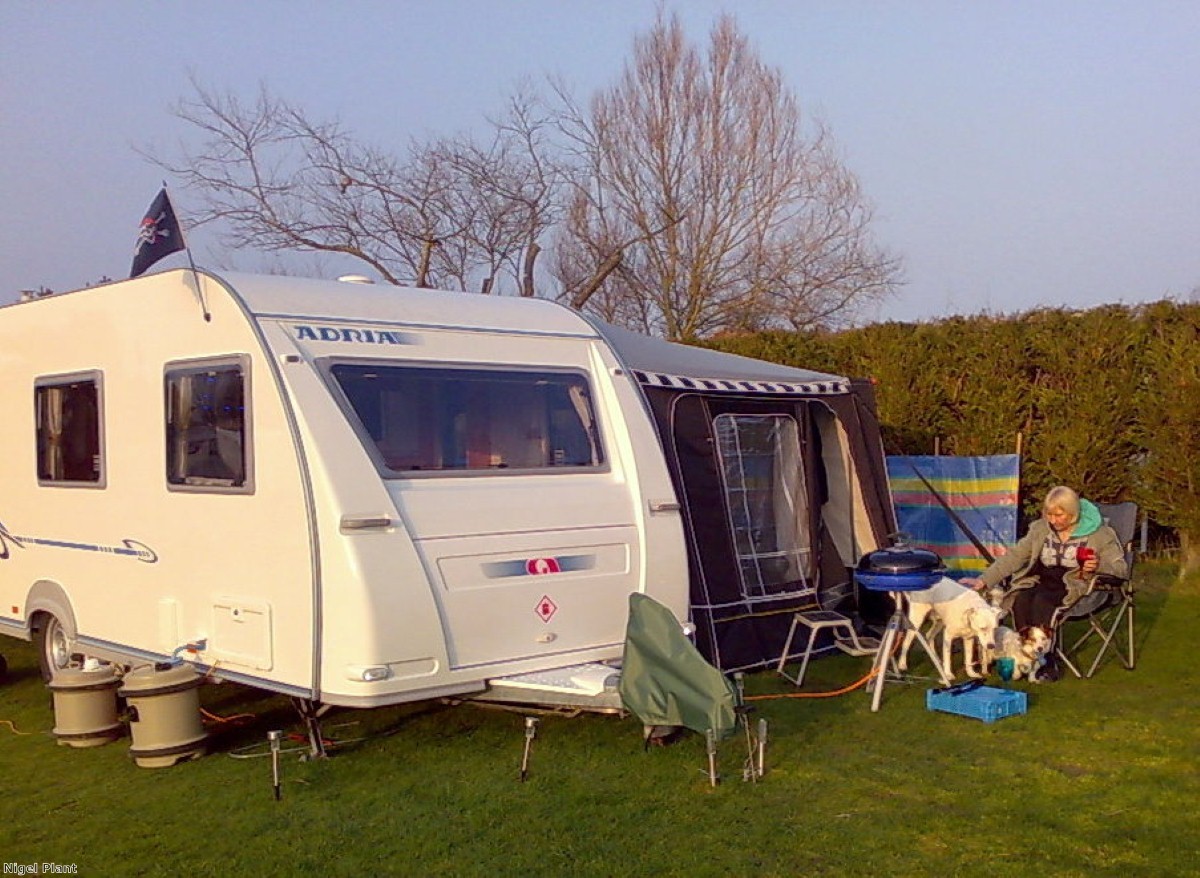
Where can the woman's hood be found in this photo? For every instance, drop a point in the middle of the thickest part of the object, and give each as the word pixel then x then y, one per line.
pixel 1089 519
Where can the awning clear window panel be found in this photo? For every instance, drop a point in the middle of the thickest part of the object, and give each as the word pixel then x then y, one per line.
pixel 766 497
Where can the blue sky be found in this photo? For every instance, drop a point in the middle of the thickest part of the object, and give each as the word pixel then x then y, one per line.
pixel 1019 154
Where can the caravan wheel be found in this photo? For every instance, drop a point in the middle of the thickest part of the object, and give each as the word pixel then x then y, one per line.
pixel 53 646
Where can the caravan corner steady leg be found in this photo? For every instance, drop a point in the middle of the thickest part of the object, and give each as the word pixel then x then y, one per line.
pixel 311 712
pixel 743 710
pixel 531 725
pixel 710 745
pixel 273 738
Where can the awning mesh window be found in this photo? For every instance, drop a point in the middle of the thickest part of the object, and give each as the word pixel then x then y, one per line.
pixel 767 502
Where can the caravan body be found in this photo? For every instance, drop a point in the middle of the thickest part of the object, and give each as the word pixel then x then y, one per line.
pixel 352 494
pixel 362 495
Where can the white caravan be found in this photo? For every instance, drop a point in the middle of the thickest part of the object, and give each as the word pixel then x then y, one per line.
pixel 351 494
pixel 358 495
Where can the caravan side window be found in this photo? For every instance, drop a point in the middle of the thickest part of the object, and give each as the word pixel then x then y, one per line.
pixel 767 502
pixel 208 426
pixel 69 436
pixel 443 419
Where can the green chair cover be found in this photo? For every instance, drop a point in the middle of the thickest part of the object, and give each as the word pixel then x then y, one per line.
pixel 664 679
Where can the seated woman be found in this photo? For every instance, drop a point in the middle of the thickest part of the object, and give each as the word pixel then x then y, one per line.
pixel 1047 567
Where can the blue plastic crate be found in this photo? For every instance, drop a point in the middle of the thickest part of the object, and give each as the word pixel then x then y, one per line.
pixel 982 702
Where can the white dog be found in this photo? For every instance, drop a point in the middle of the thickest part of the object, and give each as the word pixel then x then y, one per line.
pixel 964 615
pixel 1028 649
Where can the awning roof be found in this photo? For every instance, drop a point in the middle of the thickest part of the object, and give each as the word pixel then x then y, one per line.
pixel 658 363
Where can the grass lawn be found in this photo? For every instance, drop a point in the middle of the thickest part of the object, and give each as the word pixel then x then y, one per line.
pixel 1100 777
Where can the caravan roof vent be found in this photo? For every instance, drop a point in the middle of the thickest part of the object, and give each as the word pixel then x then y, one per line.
pixel 355 279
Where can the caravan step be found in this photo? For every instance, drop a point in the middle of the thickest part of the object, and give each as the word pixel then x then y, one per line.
pixel 858 645
pixel 590 687
pixel 845 637
pixel 591 678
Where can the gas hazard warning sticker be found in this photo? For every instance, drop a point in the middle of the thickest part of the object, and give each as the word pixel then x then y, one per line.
pixel 546 608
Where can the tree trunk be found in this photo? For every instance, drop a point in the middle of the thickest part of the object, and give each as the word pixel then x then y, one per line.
pixel 1189 553
pixel 423 269
pixel 531 255
pixel 593 284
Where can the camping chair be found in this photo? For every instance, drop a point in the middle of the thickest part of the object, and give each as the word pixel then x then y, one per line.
pixel 1107 605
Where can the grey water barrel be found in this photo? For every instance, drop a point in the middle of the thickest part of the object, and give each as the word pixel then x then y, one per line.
pixel 164 714
pixel 85 706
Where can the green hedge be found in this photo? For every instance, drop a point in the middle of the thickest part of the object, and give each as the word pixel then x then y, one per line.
pixel 1105 400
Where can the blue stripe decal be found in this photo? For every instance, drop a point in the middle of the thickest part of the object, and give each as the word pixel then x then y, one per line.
pixel 7 539
pixel 128 548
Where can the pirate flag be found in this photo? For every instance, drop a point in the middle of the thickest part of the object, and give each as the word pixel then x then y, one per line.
pixel 158 236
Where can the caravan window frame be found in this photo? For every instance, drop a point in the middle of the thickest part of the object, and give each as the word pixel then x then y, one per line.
pixel 596 443
pixel 45 382
pixel 208 484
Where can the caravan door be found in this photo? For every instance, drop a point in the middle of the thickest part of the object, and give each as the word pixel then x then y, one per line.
pixel 752 486
pixel 505 476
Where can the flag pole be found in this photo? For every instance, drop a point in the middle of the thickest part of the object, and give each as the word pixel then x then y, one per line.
pixel 199 291
pixel 195 272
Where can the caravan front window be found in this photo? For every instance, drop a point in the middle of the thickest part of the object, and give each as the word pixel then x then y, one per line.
pixel 207 426
pixel 69 450
pixel 445 419
pixel 767 502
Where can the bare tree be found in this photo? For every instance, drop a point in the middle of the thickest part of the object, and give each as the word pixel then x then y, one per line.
pixel 696 170
pixel 510 186
pixel 450 213
pixel 688 199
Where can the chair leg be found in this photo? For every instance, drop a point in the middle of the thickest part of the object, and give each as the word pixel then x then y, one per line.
pixel 1109 638
pixel 1085 637
pixel 1132 642
pixel 1058 648
pixel 1062 655
pixel 1106 640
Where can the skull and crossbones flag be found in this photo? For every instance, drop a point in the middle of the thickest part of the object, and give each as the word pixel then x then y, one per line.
pixel 158 236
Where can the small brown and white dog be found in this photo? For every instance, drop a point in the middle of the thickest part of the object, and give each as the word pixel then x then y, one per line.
pixel 1027 648
pixel 964 615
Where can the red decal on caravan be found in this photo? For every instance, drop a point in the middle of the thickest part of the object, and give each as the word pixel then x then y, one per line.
pixel 538 566
pixel 546 608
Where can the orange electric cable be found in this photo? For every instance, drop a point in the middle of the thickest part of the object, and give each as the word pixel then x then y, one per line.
pixel 862 681
pixel 215 718
pixel 857 683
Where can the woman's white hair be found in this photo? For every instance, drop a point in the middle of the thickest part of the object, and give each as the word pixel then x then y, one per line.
pixel 1064 498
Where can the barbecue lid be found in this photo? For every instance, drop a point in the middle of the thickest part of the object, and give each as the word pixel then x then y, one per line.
pixel 900 558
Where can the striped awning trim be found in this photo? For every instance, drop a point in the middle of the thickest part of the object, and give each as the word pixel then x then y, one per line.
pixel 728 385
